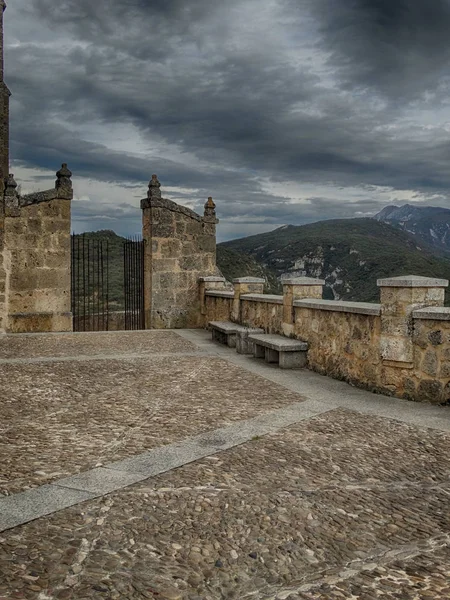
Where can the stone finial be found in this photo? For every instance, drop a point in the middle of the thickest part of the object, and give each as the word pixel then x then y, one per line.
pixel 154 188
pixel 63 177
pixel 210 208
pixel 11 196
pixel 10 186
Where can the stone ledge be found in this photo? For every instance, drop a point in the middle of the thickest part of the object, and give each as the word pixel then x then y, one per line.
pixel 169 205
pixel 46 196
pixel 212 278
pixel 228 327
pixel 435 313
pixel 411 281
pixel 304 281
pixel 270 298
pixel 359 308
pixel 249 280
pixel 220 293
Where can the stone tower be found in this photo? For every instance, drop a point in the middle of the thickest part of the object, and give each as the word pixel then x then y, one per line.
pixel 4 111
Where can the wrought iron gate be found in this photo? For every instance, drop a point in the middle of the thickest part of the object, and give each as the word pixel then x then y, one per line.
pixel 107 282
pixel 90 283
pixel 133 278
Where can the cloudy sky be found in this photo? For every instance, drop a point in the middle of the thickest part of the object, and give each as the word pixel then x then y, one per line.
pixel 285 111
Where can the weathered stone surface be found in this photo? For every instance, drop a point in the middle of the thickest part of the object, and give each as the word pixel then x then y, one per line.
pixel 431 390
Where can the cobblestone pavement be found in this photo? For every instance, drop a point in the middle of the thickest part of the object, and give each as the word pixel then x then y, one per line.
pixel 343 505
pixel 60 418
pixel 91 344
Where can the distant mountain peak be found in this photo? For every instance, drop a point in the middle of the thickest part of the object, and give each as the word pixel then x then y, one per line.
pixel 384 214
pixel 429 223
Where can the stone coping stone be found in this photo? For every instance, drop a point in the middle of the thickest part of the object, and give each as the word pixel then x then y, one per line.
pixel 249 280
pixel 412 281
pixel 272 298
pixel 227 326
pixel 359 308
pixel 302 281
pixel 210 278
pixel 437 313
pixel 220 293
pixel 278 342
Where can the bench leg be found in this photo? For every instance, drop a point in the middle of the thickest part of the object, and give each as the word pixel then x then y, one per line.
pixel 243 345
pixel 231 340
pixel 292 360
pixel 218 337
pixel 258 351
pixel 272 356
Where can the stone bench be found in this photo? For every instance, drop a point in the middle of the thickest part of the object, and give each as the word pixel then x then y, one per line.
pixel 289 354
pixel 232 334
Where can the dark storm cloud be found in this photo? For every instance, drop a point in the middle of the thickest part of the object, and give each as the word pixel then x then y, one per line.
pixel 398 46
pixel 233 89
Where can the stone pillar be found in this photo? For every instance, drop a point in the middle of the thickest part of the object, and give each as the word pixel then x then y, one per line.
pixel 180 248
pixel 245 285
pixel 209 283
pixel 400 296
pixel 4 112
pixel 297 288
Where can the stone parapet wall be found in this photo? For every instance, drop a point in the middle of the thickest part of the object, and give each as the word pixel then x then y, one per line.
pixel 218 307
pixel 264 313
pixel 430 377
pixel 344 345
pixel 399 347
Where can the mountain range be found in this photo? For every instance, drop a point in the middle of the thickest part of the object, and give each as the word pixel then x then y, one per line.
pixel 349 254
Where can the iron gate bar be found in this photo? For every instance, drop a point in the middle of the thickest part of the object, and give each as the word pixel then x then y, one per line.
pixel 134 283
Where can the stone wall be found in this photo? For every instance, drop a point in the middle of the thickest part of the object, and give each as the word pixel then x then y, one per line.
pixel 180 246
pixel 36 253
pixel 343 343
pixel 400 347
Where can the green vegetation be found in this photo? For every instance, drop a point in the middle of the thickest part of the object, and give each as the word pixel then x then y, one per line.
pixel 350 254
pixel 237 264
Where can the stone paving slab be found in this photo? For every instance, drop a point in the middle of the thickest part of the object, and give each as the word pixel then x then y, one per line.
pixel 99 481
pixel 349 501
pixel 91 344
pixel 60 418
pixel 36 503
